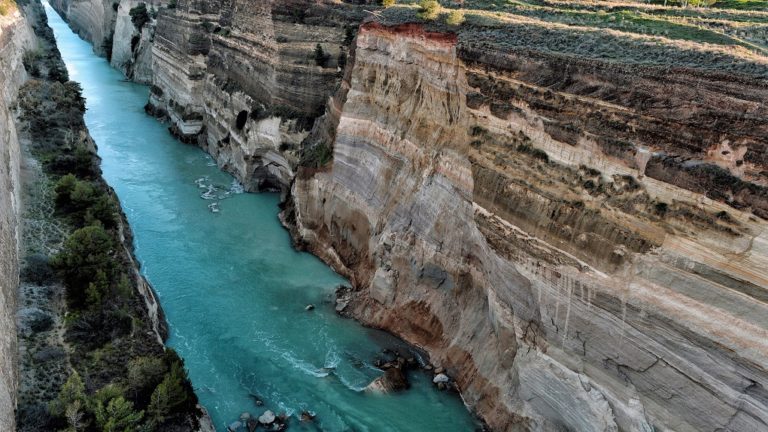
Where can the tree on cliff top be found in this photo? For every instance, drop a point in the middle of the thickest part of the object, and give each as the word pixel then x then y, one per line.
pixel 139 16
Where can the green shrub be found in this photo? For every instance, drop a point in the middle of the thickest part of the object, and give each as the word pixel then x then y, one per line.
pixel 316 156
pixel 139 16
pixel 321 57
pixel 455 18
pixel 388 3
pixel 118 415
pixel 169 394
pixel 72 392
pixel 86 258
pixel 533 151
pixel 83 203
pixel 144 374
pixel 428 9
pixel 37 269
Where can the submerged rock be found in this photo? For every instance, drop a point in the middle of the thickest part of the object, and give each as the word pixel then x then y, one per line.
pixel 234 426
pixel 267 418
pixel 309 307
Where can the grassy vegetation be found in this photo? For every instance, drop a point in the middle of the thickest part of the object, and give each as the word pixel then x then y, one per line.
pixel 7 7
pixel 733 41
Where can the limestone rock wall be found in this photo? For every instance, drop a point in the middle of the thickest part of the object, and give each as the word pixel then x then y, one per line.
pixel 132 47
pixel 93 20
pixel 240 79
pixel 581 245
pixel 15 38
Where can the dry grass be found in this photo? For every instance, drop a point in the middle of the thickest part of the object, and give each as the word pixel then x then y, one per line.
pixel 731 41
pixel 7 7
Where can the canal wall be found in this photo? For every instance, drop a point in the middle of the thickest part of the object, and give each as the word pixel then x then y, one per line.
pixel 16 37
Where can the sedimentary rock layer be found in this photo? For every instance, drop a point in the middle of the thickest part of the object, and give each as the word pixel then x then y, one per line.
pixel 244 79
pixel 93 20
pixel 15 38
pixel 582 245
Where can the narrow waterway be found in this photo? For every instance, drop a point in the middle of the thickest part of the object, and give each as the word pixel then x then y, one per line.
pixel 232 287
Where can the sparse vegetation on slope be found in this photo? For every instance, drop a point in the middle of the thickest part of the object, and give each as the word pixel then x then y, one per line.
pixel 95 358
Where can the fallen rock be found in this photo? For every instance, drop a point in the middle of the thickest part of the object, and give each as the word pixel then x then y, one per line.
pixel 244 417
pixel 306 416
pixel 343 297
pixel 234 426
pixel 393 380
pixel 267 418
pixel 309 307
pixel 252 425
pixel 441 378
pixel 439 370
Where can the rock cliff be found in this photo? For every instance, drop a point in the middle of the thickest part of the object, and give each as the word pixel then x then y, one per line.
pixel 582 244
pixel 570 220
pixel 245 80
pixel 15 38
pixel 93 20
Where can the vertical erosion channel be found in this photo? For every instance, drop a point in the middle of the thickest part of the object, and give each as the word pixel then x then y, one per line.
pixel 233 289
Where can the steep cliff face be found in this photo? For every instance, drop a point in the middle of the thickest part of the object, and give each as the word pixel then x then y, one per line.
pixel 132 41
pixel 93 20
pixel 121 30
pixel 15 38
pixel 581 244
pixel 245 80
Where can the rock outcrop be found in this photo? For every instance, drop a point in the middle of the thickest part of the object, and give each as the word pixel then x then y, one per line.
pixel 584 243
pixel 16 37
pixel 93 20
pixel 245 80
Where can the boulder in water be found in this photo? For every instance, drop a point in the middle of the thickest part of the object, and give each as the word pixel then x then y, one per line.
pixel 393 380
pixel 234 426
pixel 309 307
pixel 441 378
pixel 267 418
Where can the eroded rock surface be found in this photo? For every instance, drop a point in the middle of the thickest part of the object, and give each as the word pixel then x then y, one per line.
pixel 15 38
pixel 574 239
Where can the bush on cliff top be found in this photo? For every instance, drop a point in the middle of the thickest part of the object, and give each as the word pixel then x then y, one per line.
pixel 139 16
pixel 429 9
pixel 7 7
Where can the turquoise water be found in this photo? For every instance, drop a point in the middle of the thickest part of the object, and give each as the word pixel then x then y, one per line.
pixel 232 287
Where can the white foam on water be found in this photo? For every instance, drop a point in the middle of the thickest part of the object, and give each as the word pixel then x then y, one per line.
pixel 236 187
